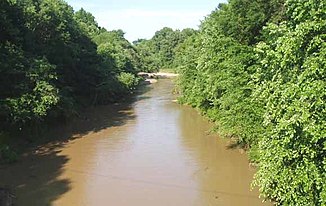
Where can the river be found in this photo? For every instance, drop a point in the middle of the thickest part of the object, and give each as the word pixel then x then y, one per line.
pixel 150 152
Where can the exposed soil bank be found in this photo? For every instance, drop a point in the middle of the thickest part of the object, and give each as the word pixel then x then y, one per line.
pixel 151 78
pixel 157 75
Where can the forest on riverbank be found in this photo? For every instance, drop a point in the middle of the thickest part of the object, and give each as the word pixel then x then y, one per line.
pixel 256 68
pixel 54 61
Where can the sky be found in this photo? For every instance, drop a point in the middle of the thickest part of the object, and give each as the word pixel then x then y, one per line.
pixel 142 18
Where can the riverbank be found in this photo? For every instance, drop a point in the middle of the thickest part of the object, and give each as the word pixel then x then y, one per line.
pixel 122 154
pixel 151 78
pixel 158 75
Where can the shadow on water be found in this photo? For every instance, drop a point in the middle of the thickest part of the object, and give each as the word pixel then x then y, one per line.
pixel 35 180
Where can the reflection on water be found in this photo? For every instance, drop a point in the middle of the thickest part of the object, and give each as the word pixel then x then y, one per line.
pixel 153 152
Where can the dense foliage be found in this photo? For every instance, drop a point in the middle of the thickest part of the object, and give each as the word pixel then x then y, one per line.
pixel 257 68
pixel 291 80
pixel 216 76
pixel 159 52
pixel 54 60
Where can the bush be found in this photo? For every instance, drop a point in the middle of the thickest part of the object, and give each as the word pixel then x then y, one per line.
pixel 291 80
pixel 128 80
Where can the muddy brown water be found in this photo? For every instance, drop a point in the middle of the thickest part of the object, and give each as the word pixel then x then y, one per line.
pixel 152 152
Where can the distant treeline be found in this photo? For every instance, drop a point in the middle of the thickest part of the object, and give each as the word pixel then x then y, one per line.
pixel 258 69
pixel 255 67
pixel 159 52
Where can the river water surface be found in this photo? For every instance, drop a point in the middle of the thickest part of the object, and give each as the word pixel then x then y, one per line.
pixel 152 152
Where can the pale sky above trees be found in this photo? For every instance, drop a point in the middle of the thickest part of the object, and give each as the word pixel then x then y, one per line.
pixel 141 18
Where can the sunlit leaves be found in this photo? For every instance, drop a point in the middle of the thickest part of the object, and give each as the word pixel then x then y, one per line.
pixel 54 60
pixel 292 82
pixel 160 51
pixel 38 97
pixel 270 95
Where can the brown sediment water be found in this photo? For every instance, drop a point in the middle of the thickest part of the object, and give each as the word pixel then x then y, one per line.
pixel 151 152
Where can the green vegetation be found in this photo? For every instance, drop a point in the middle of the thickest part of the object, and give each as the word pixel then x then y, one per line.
pixel 290 80
pixel 129 81
pixel 54 61
pixel 159 52
pixel 257 69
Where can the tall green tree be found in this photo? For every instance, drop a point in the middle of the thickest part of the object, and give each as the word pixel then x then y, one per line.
pixel 159 52
pixel 291 79
pixel 219 78
pixel 27 90
pixel 51 64
pixel 270 96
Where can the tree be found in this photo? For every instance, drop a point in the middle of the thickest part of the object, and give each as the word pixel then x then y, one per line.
pixel 291 80
pixel 87 22
pixel 50 63
pixel 27 83
pixel 159 52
